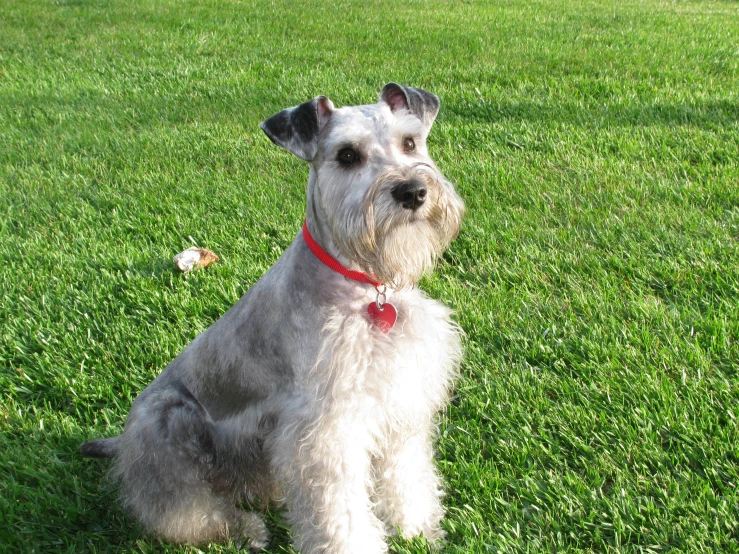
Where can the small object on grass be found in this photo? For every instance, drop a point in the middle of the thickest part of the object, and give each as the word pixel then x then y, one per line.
pixel 194 256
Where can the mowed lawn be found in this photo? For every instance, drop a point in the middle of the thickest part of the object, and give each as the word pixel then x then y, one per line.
pixel 596 276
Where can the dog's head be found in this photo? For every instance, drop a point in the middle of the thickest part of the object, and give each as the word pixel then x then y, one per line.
pixel 387 207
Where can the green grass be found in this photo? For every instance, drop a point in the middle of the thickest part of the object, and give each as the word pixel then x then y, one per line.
pixel 596 277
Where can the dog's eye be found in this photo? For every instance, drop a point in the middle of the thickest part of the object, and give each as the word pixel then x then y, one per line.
pixel 408 144
pixel 347 156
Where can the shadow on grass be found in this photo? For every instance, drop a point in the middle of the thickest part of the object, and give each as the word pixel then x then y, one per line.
pixel 68 503
pixel 707 115
pixel 72 504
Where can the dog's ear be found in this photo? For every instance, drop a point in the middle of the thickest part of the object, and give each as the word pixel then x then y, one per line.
pixel 421 103
pixel 296 129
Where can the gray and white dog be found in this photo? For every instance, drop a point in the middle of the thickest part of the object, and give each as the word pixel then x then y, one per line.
pixel 319 388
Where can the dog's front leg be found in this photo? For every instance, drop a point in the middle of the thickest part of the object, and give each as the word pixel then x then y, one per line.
pixel 324 460
pixel 409 488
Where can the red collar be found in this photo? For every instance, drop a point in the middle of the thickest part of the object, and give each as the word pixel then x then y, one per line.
pixel 326 258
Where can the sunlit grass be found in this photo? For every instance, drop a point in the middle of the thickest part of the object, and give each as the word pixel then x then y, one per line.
pixel 596 277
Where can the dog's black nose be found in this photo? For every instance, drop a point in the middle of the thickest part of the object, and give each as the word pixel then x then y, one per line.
pixel 409 194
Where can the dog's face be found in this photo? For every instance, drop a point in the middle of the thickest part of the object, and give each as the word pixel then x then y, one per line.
pixel 389 209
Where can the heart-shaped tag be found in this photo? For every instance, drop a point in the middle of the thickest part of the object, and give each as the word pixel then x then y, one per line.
pixel 383 317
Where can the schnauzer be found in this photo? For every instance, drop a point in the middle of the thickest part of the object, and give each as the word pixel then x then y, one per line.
pixel 319 388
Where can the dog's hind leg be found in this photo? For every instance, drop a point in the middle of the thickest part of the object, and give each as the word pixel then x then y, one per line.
pixel 165 461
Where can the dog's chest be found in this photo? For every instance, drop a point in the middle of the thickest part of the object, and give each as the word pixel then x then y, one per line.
pixel 398 378
pixel 412 367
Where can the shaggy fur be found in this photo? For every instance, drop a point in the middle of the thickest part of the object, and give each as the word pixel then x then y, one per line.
pixel 295 395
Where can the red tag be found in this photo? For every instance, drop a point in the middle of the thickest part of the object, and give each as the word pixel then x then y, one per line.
pixel 383 317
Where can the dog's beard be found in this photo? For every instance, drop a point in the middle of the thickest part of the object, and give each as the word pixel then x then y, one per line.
pixel 398 245
pixel 406 253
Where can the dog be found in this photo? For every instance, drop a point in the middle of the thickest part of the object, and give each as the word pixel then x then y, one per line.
pixel 318 390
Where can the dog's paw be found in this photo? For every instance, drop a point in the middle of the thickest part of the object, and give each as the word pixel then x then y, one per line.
pixel 253 533
pixel 436 540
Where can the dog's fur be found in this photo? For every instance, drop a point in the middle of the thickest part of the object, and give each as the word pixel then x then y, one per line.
pixel 295 395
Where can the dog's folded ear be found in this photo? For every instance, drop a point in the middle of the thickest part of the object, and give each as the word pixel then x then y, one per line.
pixel 419 102
pixel 296 129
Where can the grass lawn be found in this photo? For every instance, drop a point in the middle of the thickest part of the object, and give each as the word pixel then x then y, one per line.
pixel 596 144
